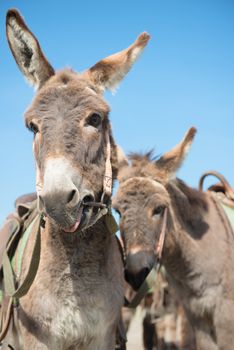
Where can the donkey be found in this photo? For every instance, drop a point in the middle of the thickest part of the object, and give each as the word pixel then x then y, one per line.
pixel 75 300
pixel 199 242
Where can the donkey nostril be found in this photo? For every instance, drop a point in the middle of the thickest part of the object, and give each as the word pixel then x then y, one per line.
pixel 71 196
pixel 88 198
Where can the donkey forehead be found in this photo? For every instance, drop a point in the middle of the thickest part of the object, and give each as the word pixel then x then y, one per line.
pixel 67 91
pixel 141 186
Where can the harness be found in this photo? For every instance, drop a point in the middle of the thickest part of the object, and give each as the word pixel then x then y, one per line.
pixel 17 227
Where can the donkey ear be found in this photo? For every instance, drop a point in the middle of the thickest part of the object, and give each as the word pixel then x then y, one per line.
pixel 121 158
pixel 121 161
pixel 107 73
pixel 26 50
pixel 171 161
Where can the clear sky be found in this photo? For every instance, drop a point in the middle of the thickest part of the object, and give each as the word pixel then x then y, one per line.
pixel 185 77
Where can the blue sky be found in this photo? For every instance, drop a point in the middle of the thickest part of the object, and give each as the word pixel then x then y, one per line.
pixel 185 77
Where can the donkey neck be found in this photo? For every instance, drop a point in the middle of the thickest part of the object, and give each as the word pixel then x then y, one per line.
pixel 76 247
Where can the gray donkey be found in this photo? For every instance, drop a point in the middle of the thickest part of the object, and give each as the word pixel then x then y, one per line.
pixel 198 252
pixel 76 297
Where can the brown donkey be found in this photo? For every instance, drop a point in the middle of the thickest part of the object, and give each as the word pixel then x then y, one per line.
pixel 199 242
pixel 76 297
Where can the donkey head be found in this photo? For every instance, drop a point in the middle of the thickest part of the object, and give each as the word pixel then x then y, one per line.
pixel 69 119
pixel 142 200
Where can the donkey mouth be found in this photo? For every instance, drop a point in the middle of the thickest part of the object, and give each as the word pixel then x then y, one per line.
pixel 79 221
pixel 82 219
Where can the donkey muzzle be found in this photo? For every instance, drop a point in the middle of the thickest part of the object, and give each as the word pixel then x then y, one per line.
pixel 138 266
pixel 66 208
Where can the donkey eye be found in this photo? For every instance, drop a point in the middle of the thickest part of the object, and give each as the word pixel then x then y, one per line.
pixel 33 127
pixel 95 120
pixel 158 210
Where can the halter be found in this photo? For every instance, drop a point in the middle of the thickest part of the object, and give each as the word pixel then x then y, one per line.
pixel 107 179
pixel 105 208
pixel 160 243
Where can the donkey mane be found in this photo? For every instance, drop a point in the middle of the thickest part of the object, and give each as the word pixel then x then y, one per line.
pixel 148 156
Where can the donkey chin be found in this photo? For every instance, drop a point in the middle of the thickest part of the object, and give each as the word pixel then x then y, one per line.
pixel 69 219
pixel 82 219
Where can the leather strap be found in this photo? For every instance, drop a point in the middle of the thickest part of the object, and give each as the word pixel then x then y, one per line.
pixel 5 316
pixel 9 276
pixel 144 289
pixel 107 181
pixel 160 244
pixel 10 229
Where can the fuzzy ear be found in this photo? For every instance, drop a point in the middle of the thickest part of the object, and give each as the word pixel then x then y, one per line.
pixel 122 161
pixel 121 157
pixel 108 73
pixel 26 50
pixel 171 161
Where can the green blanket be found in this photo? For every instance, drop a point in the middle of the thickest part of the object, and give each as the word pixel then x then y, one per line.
pixel 230 213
